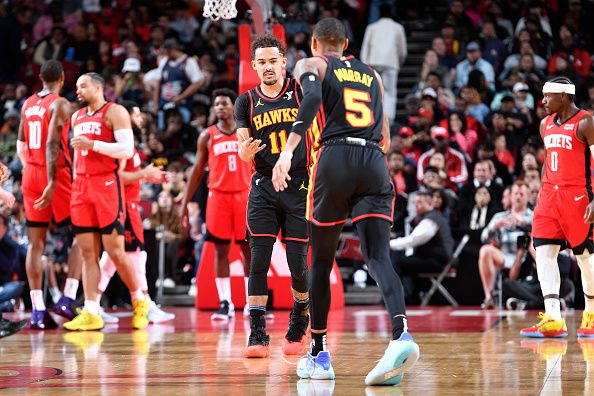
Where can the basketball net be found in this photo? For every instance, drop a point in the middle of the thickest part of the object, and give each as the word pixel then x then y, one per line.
pixel 216 9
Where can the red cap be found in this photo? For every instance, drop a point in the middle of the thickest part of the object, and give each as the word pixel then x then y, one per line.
pixel 426 113
pixel 440 132
pixel 406 131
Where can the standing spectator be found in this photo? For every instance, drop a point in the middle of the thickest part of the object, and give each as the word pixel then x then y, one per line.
pixel 384 48
pixel 474 61
pixel 180 78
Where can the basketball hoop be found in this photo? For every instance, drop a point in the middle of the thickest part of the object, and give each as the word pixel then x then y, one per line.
pixel 216 9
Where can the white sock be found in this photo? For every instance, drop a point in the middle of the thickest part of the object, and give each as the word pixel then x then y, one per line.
pixel 70 288
pixel 247 297
pixel 224 288
pixel 55 293
pixel 586 264
pixel 99 298
pixel 549 278
pixel 37 300
pixel 92 307
pixel 137 295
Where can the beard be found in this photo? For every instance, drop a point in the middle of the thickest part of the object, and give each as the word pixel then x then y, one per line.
pixel 270 82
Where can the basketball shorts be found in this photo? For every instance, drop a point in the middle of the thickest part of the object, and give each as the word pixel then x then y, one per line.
pixel 226 216
pixel 133 231
pixel 559 218
pixel 98 204
pixel 349 179
pixel 34 182
pixel 270 211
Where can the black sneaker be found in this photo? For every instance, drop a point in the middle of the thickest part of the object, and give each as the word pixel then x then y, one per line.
pixel 259 341
pixel 226 311
pixel 295 339
pixel 7 327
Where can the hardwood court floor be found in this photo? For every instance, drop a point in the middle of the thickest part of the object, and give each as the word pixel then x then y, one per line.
pixel 463 352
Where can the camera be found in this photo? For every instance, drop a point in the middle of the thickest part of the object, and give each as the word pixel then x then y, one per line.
pixel 523 241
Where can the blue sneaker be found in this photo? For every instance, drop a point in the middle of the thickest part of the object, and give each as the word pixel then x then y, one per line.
pixel 400 356
pixel 41 320
pixel 65 307
pixel 316 367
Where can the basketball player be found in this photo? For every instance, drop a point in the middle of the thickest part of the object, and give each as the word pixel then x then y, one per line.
pixel 564 209
pixel 132 175
pixel 102 136
pixel 265 114
pixel 228 185
pixel 42 147
pixel 349 175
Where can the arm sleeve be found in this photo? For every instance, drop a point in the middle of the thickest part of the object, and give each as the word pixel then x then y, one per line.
pixel 242 111
pixel 312 99
pixel 122 148
pixel 421 234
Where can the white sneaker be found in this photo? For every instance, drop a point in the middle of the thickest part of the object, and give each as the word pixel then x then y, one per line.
pixel 193 289
pixel 246 310
pixel 169 283
pixel 400 355
pixel 156 315
pixel 306 387
pixel 316 367
pixel 108 318
pixel 360 278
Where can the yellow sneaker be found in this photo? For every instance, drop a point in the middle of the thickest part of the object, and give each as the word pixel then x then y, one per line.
pixel 85 322
pixel 545 348
pixel 587 327
pixel 140 339
pixel 140 318
pixel 547 327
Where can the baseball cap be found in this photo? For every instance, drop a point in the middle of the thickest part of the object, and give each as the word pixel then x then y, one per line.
pixel 439 132
pixel 473 46
pixel 426 113
pixel 405 131
pixel 429 92
pixel 131 65
pixel 520 86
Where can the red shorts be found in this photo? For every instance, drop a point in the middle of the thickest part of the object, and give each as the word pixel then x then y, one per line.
pixel 133 231
pixel 559 218
pixel 98 204
pixel 34 182
pixel 226 216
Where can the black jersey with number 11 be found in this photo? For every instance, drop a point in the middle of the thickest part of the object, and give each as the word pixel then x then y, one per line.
pixel 352 101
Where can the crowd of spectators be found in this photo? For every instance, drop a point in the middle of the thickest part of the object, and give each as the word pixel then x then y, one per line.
pixel 469 129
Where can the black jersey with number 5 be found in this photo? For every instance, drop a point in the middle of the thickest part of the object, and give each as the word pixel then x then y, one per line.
pixel 352 100
pixel 270 120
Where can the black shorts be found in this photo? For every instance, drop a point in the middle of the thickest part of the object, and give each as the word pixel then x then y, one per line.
pixel 349 180
pixel 269 212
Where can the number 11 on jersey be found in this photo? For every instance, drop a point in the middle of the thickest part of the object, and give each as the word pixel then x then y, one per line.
pixel 275 146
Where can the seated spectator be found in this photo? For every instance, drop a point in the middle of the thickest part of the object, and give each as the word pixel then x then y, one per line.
pixel 500 238
pixel 166 215
pixel 455 162
pixel 486 151
pixel 429 101
pixel 461 136
pixel 404 182
pixel 447 58
pixel 438 162
pixel 536 10
pixel 9 263
pixel 482 177
pixel 445 97
pixel 431 65
pixel 431 181
pixel 529 162
pixel 525 48
pixel 503 26
pixel 129 86
pixel 503 154
pixel 410 148
pixel 52 47
pixel 474 61
pixel 474 104
pixel 580 59
pixel 494 50
pixel 441 204
pixel 430 238
pixel 473 221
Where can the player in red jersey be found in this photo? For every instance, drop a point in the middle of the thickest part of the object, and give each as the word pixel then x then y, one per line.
pixel 564 209
pixel 47 184
pixel 228 184
pixel 132 175
pixel 102 136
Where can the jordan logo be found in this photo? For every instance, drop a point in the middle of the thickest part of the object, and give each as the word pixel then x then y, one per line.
pixel 259 103
pixel 302 186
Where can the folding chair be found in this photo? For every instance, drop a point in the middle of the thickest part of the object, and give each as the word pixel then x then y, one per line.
pixel 449 271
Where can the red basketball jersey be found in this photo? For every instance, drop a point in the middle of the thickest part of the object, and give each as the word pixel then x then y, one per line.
pixel 228 173
pixel 132 190
pixel 568 159
pixel 94 127
pixel 37 116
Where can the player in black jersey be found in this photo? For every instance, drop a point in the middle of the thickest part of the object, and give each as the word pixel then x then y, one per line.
pixel 265 115
pixel 349 175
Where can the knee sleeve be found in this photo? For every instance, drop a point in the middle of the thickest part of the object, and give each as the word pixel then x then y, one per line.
pixel 107 270
pixel 261 249
pixel 297 259
pixel 139 261
pixel 548 269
